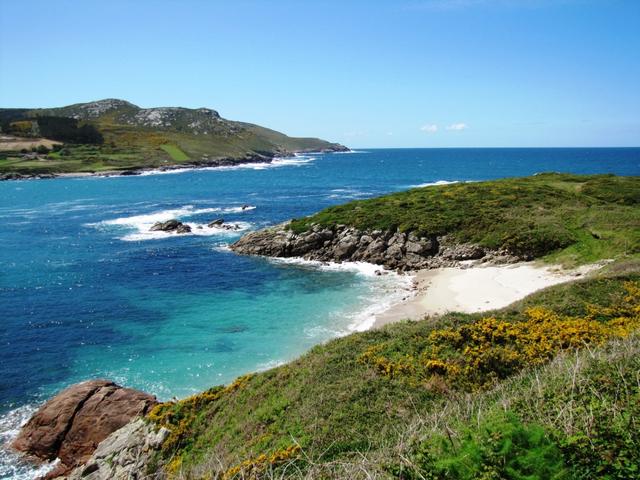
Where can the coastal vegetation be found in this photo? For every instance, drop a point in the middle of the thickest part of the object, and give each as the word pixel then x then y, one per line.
pixel 571 219
pixel 115 135
pixel 546 388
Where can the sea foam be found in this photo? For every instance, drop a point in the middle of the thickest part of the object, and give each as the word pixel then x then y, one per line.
pixel 386 288
pixel 139 226
pixel 435 184
pixel 13 465
pixel 295 161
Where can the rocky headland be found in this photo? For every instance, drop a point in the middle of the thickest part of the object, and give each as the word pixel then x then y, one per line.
pixel 391 249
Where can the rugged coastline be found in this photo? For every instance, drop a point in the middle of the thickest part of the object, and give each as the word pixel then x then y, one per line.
pixel 196 165
pixel 363 388
pixel 393 250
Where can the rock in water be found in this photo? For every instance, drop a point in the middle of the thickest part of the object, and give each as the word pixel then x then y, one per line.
pixel 182 228
pixel 72 424
pixel 216 223
pixel 170 226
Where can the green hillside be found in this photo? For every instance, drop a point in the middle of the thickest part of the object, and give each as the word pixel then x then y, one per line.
pixel 116 135
pixel 544 389
pixel 572 219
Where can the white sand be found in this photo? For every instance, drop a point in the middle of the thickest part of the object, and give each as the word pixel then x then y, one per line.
pixel 475 289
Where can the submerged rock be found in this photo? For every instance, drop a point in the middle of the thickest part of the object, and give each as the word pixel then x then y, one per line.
pixel 170 226
pixel 72 424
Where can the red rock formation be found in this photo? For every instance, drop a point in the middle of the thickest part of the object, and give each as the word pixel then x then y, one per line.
pixel 72 424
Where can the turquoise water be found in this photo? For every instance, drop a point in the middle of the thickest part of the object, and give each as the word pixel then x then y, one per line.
pixel 86 291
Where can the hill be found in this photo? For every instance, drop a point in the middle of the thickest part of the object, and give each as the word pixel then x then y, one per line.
pixel 115 135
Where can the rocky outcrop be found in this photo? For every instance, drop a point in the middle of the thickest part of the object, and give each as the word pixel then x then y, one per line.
pixel 72 424
pixel 126 454
pixel 393 250
pixel 170 226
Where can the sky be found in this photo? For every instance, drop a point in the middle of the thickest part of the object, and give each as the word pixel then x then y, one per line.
pixel 414 73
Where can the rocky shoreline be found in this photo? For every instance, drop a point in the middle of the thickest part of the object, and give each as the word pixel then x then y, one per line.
pixel 70 426
pixel 206 163
pixel 392 250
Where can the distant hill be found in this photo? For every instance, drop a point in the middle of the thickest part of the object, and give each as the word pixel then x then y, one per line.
pixel 114 134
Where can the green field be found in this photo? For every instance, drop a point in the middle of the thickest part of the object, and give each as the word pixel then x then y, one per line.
pixel 124 140
pixel 175 153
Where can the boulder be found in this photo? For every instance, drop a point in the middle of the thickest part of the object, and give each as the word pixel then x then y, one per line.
pixel 125 454
pixel 172 225
pixel 72 424
pixel 345 247
pixel 216 223
pixel 183 228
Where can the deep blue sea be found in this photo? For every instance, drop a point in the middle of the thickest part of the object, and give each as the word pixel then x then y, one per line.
pixel 86 291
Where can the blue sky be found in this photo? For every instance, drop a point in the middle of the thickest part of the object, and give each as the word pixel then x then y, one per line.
pixel 415 73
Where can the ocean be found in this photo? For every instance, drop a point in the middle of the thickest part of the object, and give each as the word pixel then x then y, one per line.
pixel 87 291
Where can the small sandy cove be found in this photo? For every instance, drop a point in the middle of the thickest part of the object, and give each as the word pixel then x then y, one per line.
pixel 475 289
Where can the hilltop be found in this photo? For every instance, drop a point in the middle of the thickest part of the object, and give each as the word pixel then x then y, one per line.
pixel 116 135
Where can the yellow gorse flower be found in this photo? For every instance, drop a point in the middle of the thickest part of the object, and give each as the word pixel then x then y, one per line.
pixel 476 354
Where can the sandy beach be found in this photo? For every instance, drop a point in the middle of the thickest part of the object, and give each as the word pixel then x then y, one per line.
pixel 475 289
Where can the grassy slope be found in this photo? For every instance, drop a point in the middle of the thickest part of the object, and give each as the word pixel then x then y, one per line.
pixel 571 218
pixel 371 403
pixel 349 417
pixel 130 147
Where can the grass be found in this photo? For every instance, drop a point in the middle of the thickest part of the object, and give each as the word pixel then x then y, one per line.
pixel 334 414
pixel 130 146
pixel 174 152
pixel 569 219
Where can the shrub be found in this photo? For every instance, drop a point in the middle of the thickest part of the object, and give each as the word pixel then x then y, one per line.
pixel 499 448
pixel 478 354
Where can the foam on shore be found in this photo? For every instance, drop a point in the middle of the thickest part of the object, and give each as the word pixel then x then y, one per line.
pixel 386 288
pixel 277 162
pixel 12 464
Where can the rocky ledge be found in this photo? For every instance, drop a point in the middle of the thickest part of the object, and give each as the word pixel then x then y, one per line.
pixel 72 424
pixel 393 250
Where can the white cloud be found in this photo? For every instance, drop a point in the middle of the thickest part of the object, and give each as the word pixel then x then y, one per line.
pixel 458 127
pixel 429 128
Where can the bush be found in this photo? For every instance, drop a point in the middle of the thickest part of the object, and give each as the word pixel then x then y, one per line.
pixel 67 130
pixel 500 448
pixel 476 355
